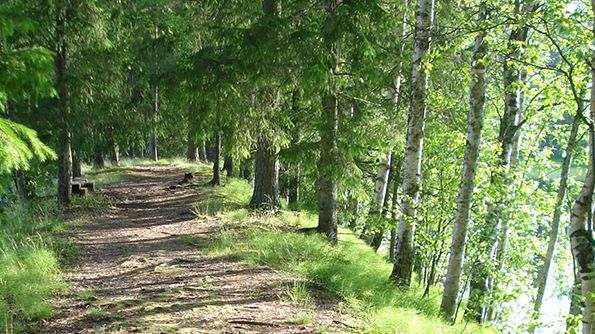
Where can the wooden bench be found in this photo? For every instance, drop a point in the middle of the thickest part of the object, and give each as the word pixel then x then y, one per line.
pixel 82 187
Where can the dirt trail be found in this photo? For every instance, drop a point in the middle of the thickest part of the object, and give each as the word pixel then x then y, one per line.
pixel 146 280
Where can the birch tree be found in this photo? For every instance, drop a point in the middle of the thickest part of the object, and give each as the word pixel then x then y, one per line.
pixel 581 231
pixel 465 196
pixel 404 252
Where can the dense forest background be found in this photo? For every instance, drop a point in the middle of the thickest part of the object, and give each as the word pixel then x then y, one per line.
pixel 453 137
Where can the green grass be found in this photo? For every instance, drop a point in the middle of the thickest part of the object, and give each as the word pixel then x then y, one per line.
pixel 29 264
pixel 97 314
pixel 351 271
pixel 87 295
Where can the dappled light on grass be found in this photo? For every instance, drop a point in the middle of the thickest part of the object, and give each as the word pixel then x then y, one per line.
pixel 29 264
pixel 350 271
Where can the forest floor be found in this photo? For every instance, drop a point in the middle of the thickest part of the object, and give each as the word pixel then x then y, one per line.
pixel 135 274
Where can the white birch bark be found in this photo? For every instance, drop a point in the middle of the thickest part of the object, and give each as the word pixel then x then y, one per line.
pixel 403 264
pixel 555 225
pixel 581 237
pixel 465 196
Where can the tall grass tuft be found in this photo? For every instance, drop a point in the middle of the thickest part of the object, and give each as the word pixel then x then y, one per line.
pixel 29 264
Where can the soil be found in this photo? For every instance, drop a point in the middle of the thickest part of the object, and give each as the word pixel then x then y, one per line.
pixel 135 273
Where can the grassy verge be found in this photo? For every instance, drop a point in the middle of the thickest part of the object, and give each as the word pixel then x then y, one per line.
pixel 29 264
pixel 350 271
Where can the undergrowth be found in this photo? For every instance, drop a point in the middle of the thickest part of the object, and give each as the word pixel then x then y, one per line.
pixel 352 271
pixel 29 264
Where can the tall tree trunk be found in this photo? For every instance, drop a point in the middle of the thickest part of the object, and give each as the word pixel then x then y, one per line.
pixel 397 167
pixel 266 165
pixel 63 147
pixel 328 131
pixel 115 155
pixel 575 309
pixel 154 112
pixel 378 197
pixel 581 229
pixel 191 151
pixel 294 168
pixel 266 176
pixel 293 195
pixel 327 181
pixel 404 255
pixel 378 235
pixel 76 165
pixel 465 196
pixel 228 165
pixel 245 167
pixel 202 151
pixel 98 159
pixel 496 228
pixel 216 181
pixel 555 225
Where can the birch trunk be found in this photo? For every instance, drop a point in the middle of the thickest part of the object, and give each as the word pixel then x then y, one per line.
pixel 496 229
pixel 465 196
pixel 555 225
pixel 115 158
pixel 404 254
pixel 581 235
pixel 378 197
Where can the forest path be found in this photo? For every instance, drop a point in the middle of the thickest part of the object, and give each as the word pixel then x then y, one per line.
pixel 135 274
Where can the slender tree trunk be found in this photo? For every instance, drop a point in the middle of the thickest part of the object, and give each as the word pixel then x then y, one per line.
pixel 581 230
pixel 495 232
pixel 293 195
pixel 202 151
pixel 63 148
pixel 76 165
pixel 98 159
pixel 228 165
pixel 245 169
pixel 154 112
pixel 191 150
pixel 398 167
pixel 295 168
pixel 378 197
pixel 404 255
pixel 465 196
pixel 21 185
pixel 216 181
pixel 327 182
pixel 555 225
pixel 115 155
pixel 378 235
pixel 192 154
